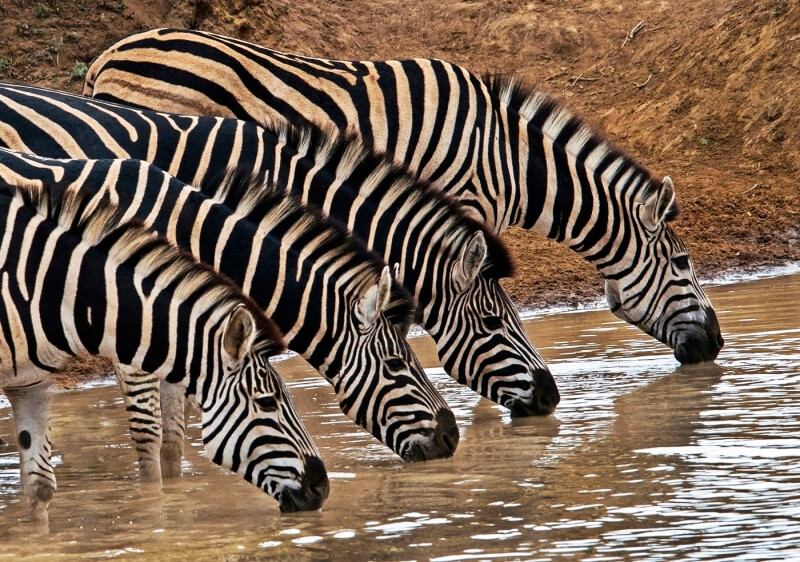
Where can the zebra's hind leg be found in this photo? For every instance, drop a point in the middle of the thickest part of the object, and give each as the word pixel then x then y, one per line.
pixel 140 393
pixel 31 408
pixel 173 400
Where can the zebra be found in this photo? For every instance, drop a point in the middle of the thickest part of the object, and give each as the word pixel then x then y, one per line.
pixel 480 339
pixel 75 281
pixel 508 152
pixel 325 292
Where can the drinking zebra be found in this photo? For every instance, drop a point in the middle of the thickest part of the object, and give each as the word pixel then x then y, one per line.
pixel 77 282
pixel 325 292
pixel 451 263
pixel 509 153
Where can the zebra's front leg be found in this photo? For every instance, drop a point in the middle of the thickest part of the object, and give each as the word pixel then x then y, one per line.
pixel 140 393
pixel 31 409
pixel 173 403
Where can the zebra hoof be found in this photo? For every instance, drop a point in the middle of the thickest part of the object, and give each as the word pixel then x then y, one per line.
pixel 149 470
pixel 38 502
pixel 171 459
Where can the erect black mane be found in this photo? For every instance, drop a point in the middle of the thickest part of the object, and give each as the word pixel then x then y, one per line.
pixel 499 262
pixel 242 188
pixel 517 93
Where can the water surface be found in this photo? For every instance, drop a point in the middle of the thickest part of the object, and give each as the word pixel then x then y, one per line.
pixel 642 459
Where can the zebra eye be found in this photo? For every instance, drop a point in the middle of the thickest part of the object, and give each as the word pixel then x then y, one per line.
pixel 681 262
pixel 493 322
pixel 395 364
pixel 267 403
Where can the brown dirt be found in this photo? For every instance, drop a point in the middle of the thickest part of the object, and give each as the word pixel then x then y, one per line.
pixel 705 92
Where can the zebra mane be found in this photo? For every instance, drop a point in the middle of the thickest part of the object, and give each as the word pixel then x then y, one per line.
pixel 553 118
pixel 351 159
pixel 252 196
pixel 98 225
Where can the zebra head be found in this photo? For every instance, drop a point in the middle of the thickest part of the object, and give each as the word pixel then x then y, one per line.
pixel 480 337
pixel 406 411
pixel 659 292
pixel 250 425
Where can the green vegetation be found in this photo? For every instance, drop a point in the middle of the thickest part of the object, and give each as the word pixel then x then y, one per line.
pixel 79 70
pixel 42 10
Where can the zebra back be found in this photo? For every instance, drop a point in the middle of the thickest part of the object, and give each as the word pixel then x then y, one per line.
pixel 79 282
pixel 511 154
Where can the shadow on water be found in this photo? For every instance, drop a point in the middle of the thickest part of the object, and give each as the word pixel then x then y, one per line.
pixel 665 413
pixel 641 459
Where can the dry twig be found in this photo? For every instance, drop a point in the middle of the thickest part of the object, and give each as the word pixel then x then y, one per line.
pixel 643 84
pixel 581 78
pixel 636 29
pixel 755 185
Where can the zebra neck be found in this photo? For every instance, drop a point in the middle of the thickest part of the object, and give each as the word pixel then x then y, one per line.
pixel 571 187
pixel 262 253
pixel 73 298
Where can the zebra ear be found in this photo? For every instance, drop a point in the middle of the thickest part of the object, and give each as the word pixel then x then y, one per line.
pixel 472 257
pixel 384 288
pixel 240 331
pixel 375 301
pixel 657 205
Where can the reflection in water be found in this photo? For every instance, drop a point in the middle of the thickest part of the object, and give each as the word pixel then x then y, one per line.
pixel 643 458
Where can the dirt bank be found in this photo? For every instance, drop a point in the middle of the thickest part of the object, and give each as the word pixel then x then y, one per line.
pixel 702 91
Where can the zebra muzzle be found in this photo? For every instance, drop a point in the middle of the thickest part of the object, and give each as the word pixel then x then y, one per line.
pixel 544 398
pixel 313 492
pixel 701 342
pixel 440 443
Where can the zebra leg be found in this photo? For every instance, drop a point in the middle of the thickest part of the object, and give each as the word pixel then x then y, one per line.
pixel 173 400
pixel 140 393
pixel 31 408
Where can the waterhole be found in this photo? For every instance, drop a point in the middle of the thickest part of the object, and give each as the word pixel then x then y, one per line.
pixel 642 459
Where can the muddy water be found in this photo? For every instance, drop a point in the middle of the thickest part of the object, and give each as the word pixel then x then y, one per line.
pixel 641 460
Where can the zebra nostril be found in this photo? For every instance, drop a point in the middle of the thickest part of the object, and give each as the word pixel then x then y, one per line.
pixel 546 390
pixel 316 476
pixel 447 435
pixel 321 490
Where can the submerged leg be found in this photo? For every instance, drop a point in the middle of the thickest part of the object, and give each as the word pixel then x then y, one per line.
pixel 140 393
pixel 173 401
pixel 31 409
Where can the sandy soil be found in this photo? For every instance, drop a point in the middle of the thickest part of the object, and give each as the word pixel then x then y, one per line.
pixel 704 91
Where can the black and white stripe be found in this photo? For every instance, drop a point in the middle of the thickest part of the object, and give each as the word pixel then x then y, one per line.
pixel 73 281
pixel 325 292
pixel 508 153
pixel 450 263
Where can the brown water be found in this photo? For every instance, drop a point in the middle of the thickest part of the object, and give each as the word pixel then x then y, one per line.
pixel 641 460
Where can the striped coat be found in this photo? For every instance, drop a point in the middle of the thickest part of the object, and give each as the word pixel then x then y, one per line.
pixel 74 281
pixel 509 153
pixel 450 263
